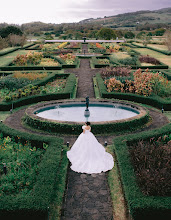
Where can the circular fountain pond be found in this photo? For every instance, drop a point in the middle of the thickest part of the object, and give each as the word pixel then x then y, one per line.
pixel 98 112
pixel 66 116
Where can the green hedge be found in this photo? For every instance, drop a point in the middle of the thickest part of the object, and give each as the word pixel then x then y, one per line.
pixel 68 93
pixel 95 63
pixel 64 64
pixel 70 85
pixel 165 52
pixel 35 205
pixel 156 101
pixel 141 207
pixel 64 128
pixel 10 50
pixel 23 68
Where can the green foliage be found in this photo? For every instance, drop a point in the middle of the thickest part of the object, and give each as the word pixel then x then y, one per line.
pixel 5 32
pixel 154 101
pixel 49 182
pixel 64 128
pixel 141 207
pixel 12 83
pixel 106 33
pixel 129 35
pixel 21 164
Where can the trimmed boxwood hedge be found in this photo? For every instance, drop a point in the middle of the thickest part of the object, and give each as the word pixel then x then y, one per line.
pixel 64 64
pixel 68 93
pixel 16 68
pixel 165 52
pixel 75 129
pixel 35 205
pixel 95 63
pixel 156 101
pixel 10 50
pixel 142 207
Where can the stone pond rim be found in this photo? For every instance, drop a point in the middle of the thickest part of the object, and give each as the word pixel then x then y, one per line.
pixel 138 120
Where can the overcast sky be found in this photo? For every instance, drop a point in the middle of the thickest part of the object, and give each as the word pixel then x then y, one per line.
pixel 60 11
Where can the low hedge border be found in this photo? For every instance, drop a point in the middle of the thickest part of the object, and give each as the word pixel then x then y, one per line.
pixel 10 50
pixel 74 128
pixel 35 205
pixel 152 101
pixel 68 93
pixel 64 64
pixel 141 207
pixel 95 63
pixel 165 52
pixel 23 68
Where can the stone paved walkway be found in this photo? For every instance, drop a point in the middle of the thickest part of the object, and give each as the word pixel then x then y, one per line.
pixel 87 196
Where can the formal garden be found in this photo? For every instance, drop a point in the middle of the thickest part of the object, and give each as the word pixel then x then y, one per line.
pixel 33 164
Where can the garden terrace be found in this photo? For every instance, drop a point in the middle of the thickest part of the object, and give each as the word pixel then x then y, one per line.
pixel 49 187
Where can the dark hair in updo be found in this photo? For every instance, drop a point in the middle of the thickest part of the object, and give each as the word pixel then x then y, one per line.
pixel 87 123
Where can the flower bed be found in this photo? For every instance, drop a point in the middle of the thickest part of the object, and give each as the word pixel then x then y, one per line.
pixel 151 164
pixel 141 207
pixel 21 164
pixel 144 83
pixel 152 100
pixel 34 201
pixel 28 89
pixel 37 92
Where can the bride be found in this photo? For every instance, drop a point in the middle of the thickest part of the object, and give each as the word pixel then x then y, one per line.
pixel 87 155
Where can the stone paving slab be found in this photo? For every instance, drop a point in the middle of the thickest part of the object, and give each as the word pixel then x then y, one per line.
pixel 87 197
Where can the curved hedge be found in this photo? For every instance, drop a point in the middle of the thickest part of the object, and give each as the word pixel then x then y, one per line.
pixel 142 207
pixel 49 180
pixel 75 128
pixel 156 101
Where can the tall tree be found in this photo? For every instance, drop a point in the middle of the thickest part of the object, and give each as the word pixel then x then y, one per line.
pixel 5 32
pixel 106 34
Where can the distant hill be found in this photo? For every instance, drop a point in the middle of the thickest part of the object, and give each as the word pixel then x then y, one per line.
pixel 132 19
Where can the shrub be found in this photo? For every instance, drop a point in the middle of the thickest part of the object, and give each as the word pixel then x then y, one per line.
pixel 144 83
pixel 151 162
pixel 130 61
pixel 141 206
pixel 28 59
pixel 13 83
pixel 115 71
pixel 148 59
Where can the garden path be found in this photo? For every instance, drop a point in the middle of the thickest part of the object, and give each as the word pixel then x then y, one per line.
pixel 87 196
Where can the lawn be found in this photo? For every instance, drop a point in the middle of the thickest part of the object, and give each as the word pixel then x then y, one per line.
pixel 120 55
pixel 163 58
pixel 158 46
pixel 6 59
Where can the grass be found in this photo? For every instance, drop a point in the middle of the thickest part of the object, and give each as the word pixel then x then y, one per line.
pixel 120 55
pixel 168 114
pixel 96 89
pixel 6 59
pixel 4 115
pixel 119 207
pixel 163 58
pixel 158 46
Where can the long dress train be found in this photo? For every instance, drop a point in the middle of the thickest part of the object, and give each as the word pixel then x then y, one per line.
pixel 87 155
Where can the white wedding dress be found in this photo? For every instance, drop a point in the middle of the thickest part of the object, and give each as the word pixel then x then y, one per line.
pixel 87 155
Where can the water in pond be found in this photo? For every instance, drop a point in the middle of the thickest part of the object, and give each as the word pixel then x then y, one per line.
pixel 75 112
